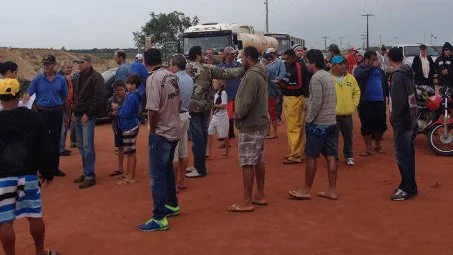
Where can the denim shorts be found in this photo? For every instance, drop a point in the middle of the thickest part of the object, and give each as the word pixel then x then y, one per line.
pixel 321 139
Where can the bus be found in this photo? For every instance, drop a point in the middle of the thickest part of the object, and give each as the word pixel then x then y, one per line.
pixel 286 41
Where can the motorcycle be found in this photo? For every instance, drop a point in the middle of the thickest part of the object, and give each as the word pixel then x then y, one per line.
pixel 434 119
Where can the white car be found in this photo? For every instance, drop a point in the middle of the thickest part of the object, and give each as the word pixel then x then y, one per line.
pixel 412 50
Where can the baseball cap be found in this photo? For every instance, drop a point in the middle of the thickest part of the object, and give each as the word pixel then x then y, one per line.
pixel 337 60
pixel 361 52
pixel 82 59
pixel 229 50
pixel 139 56
pixel 9 87
pixel 49 59
pixel 267 56
pixel 271 50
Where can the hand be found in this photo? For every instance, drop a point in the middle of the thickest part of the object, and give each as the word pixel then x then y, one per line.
pixel 68 77
pixel 376 64
pixel 115 106
pixel 25 98
pixel 44 182
pixel 67 120
pixel 444 72
pixel 84 119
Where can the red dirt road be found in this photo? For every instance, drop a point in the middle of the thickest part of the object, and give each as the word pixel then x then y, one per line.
pixel 103 219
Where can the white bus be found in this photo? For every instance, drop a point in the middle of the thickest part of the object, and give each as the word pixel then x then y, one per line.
pixel 286 41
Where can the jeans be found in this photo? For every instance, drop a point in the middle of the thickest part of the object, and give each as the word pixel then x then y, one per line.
pixel 405 158
pixel 345 126
pixel 64 132
pixel 199 124
pixel 53 120
pixel 85 142
pixel 163 183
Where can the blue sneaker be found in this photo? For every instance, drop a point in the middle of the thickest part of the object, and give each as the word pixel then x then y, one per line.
pixel 154 225
pixel 172 211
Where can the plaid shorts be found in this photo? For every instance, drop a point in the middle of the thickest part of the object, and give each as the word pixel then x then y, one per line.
pixel 251 148
pixel 129 140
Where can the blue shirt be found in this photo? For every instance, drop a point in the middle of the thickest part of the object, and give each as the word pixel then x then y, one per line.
pixel 49 94
pixel 139 69
pixel 123 72
pixel 185 89
pixel 128 114
pixel 231 85
pixel 274 70
pixel 374 91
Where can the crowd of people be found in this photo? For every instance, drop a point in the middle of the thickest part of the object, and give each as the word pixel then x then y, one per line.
pixel 198 98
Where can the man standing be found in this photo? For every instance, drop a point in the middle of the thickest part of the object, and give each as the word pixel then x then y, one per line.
pixel 251 121
pixel 294 92
pixel 210 59
pixel 201 104
pixel 403 117
pixel 300 51
pixel 139 69
pixel 221 56
pixel 351 60
pixel 348 97
pixel 444 66
pixel 163 101
pixel 231 86
pixel 320 127
pixel 51 92
pixel 88 96
pixel 139 58
pixel 181 159
pixel 372 106
pixel 66 71
pixel 424 68
pixel 383 58
pixel 124 68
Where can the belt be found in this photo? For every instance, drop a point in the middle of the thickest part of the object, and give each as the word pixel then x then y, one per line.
pixel 183 111
pixel 50 109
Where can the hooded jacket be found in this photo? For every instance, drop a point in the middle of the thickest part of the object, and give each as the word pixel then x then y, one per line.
pixel 348 95
pixel 403 96
pixel 25 148
pixel 444 67
pixel 251 101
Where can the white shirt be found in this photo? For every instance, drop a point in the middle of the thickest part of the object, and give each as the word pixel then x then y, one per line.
pixel 221 113
pixel 425 66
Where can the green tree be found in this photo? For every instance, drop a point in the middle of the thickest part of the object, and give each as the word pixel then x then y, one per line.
pixel 164 27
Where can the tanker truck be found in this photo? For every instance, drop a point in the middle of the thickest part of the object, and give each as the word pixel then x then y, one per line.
pixel 220 35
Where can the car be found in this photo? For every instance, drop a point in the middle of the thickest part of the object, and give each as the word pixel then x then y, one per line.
pixel 109 79
pixel 412 50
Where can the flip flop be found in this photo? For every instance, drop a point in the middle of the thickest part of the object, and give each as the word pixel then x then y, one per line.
pixel 379 150
pixel 270 137
pixel 259 202
pixel 326 196
pixel 366 154
pixel 125 182
pixel 51 252
pixel 116 173
pixel 238 208
pixel 181 186
pixel 297 196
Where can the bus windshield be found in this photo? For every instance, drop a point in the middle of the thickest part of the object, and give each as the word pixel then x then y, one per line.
pixel 205 42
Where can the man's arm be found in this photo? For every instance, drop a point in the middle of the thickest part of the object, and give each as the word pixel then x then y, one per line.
pixel 399 98
pixel 153 90
pixel 315 101
pixel 247 98
pixel 226 73
pixel 355 92
pixel 97 96
pixel 32 89
pixel 153 118
pixel 362 72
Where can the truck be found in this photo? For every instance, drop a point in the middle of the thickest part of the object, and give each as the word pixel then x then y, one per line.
pixel 217 36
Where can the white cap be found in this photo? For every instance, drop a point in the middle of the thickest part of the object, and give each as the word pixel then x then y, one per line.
pixel 271 50
pixel 139 56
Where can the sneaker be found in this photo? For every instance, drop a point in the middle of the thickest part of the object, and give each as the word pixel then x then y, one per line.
pixel 154 225
pixel 171 211
pixel 400 195
pixel 59 173
pixel 350 162
pixel 190 169
pixel 88 183
pixel 79 179
pixel 194 174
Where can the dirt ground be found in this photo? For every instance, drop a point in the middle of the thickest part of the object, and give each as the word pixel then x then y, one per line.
pixel 103 219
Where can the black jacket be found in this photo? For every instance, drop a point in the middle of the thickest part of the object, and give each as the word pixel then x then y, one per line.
pixel 25 146
pixel 403 114
pixel 418 70
pixel 88 94
pixel 299 80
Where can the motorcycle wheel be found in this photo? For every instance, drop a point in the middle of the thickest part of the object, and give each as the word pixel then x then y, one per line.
pixel 440 144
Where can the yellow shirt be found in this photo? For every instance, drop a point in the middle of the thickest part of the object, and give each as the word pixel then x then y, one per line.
pixel 348 94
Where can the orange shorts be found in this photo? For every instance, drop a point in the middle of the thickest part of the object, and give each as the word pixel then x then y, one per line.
pixel 230 109
pixel 272 108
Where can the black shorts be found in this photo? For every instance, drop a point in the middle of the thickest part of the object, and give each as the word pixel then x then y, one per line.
pixel 321 139
pixel 118 139
pixel 373 116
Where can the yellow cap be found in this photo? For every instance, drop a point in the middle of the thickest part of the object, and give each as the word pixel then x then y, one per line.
pixel 9 87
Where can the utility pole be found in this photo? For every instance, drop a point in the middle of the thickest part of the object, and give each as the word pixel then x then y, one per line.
pixel 341 42
pixel 267 15
pixel 380 39
pixel 435 41
pixel 363 40
pixel 396 39
pixel 432 36
pixel 368 15
pixel 325 42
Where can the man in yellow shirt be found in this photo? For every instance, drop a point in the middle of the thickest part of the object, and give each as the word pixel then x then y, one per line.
pixel 348 96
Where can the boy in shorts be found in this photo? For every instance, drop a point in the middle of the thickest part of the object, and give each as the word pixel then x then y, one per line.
pixel 129 122
pixel 118 98
pixel 25 149
pixel 220 122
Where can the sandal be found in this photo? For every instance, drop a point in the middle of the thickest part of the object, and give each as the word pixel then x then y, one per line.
pixel 379 150
pixel 297 196
pixel 51 252
pixel 326 195
pixel 181 186
pixel 238 208
pixel 259 202
pixel 270 137
pixel 366 154
pixel 121 177
pixel 116 173
pixel 126 182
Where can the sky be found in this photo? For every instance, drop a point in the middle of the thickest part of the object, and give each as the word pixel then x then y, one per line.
pixel 86 24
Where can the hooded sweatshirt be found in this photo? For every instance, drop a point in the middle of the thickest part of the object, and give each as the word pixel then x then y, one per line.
pixel 403 115
pixel 444 67
pixel 251 101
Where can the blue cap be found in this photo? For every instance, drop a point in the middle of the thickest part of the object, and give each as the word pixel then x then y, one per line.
pixel 337 60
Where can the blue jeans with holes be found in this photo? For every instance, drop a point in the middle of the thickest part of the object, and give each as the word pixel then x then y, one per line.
pixel 405 158
pixel 163 183
pixel 199 124
pixel 85 142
